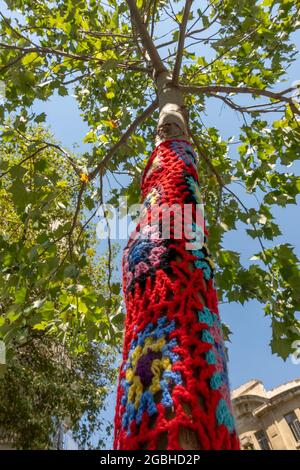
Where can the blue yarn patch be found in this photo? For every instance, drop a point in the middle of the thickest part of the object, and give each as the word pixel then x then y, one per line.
pixel 205 267
pixel 207 337
pixel 217 354
pixel 224 416
pixel 210 357
pixel 216 381
pixel 206 316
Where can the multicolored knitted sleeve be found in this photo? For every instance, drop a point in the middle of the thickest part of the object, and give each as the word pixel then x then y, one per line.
pixel 173 388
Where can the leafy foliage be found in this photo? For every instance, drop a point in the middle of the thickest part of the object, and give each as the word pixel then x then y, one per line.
pixel 51 277
pixel 45 386
pixel 59 318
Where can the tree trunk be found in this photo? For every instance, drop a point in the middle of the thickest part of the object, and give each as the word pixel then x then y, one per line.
pixel 173 388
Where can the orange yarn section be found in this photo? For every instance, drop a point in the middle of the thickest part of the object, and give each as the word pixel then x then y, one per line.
pixel 173 375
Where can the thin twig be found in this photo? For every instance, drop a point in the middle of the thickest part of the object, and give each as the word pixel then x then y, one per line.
pixel 146 38
pixel 98 34
pixel 48 50
pixel 249 109
pixel 24 160
pixel 108 242
pixel 54 146
pixel 75 217
pixel 153 19
pixel 11 63
pixel 279 96
pixel 181 39
pixel 140 118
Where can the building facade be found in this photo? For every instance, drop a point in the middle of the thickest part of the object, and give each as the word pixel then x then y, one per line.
pixel 268 420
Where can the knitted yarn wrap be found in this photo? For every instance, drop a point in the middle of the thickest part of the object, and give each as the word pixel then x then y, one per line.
pixel 173 375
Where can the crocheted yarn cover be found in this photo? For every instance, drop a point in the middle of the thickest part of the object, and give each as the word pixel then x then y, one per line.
pixel 174 371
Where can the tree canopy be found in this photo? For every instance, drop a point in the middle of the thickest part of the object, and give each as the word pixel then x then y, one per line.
pixel 60 319
pixel 45 388
pixel 51 279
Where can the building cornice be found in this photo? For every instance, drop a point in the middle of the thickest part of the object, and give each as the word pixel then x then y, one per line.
pixel 284 396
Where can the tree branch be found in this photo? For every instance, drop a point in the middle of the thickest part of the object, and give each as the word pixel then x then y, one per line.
pixel 54 146
pixel 32 155
pixel 189 35
pixel 208 89
pixel 77 210
pixel 140 118
pixel 48 50
pixel 17 33
pixel 146 38
pixel 11 63
pixel 249 109
pixel 98 34
pixel 182 31
pixel 153 19
pixel 68 157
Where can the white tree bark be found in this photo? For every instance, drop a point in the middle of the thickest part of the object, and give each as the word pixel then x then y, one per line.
pixel 173 115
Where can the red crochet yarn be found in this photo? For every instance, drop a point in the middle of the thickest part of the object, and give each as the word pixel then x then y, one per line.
pixel 174 374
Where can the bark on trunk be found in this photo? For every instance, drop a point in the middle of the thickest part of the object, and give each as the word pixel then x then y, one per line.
pixel 173 116
pixel 173 388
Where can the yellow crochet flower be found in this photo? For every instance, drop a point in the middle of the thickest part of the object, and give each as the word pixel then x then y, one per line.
pixel 149 352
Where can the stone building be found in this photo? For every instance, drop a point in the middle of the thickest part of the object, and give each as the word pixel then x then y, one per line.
pixel 268 420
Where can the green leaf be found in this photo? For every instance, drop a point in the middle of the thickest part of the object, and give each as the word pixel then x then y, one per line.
pixel 205 21
pixel 40 118
pixel 41 326
pixel 71 271
pixel 282 347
